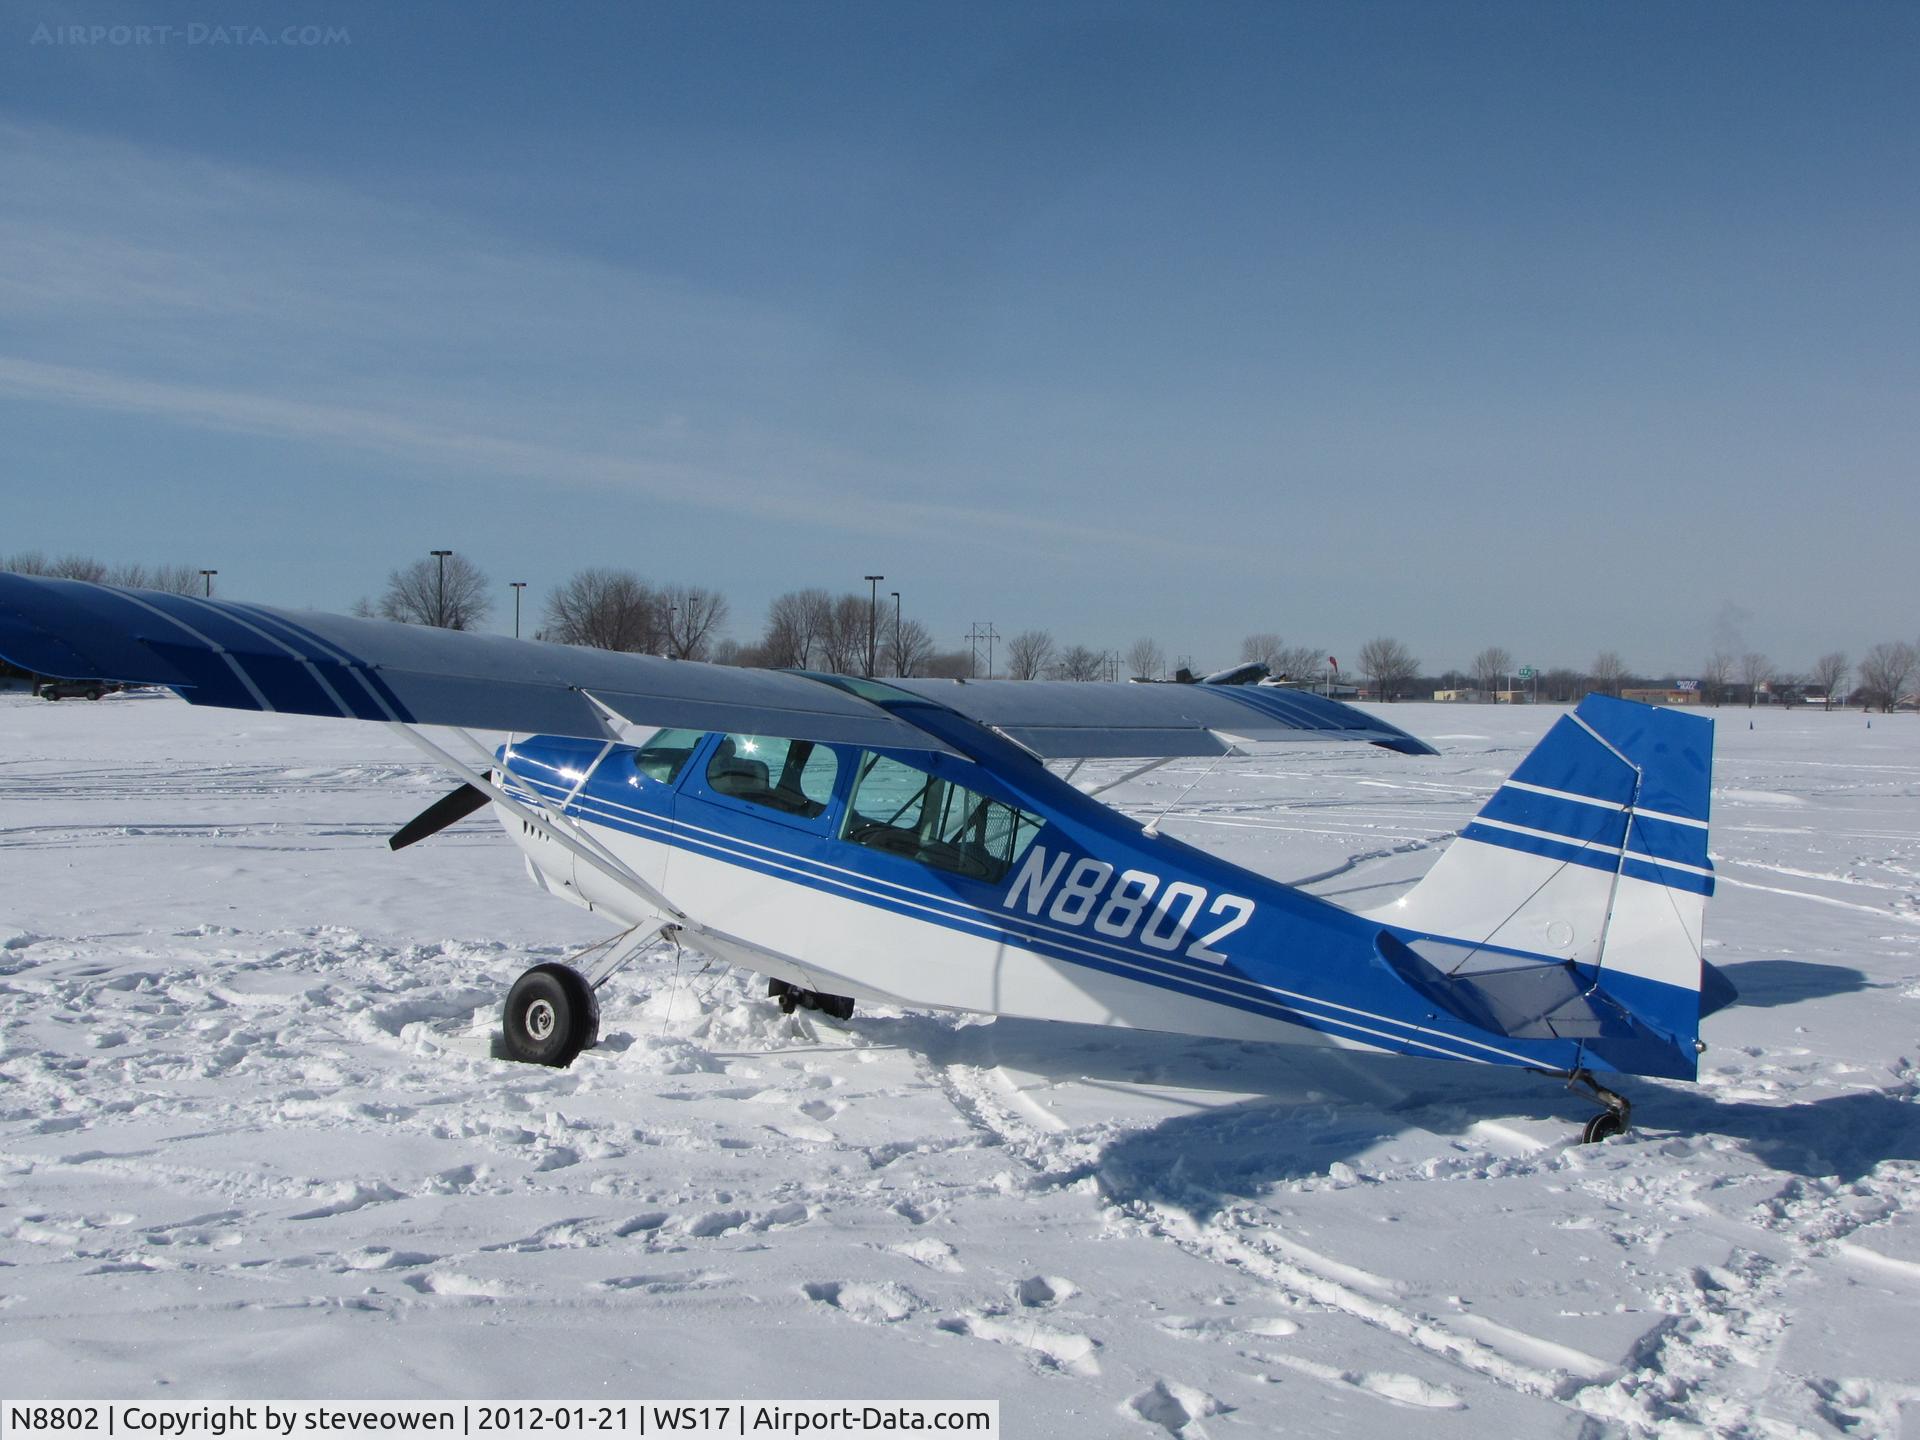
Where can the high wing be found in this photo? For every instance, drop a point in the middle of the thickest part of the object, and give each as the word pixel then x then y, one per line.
pixel 255 657
pixel 1067 720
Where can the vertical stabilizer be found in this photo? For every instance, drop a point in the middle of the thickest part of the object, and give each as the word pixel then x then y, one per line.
pixel 1594 851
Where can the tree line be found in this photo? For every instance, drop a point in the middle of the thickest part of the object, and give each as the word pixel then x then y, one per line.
pixel 174 579
pixel 850 634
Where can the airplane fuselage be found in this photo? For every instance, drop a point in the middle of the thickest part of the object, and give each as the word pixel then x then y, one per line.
pixel 1028 898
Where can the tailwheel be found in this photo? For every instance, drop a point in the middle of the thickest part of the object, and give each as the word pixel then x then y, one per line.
pixel 1603 1126
pixel 1611 1121
pixel 550 1016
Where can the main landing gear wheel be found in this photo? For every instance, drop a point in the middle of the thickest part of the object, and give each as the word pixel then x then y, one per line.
pixel 550 1016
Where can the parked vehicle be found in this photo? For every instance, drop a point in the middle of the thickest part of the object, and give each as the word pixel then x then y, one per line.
pixel 76 689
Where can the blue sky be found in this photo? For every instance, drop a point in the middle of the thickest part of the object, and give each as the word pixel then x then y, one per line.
pixel 1558 327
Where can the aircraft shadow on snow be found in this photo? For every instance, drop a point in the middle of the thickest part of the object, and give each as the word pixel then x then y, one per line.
pixel 1312 1110
pixel 1765 984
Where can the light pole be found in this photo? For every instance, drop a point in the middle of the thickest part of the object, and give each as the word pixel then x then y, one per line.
pixel 440 605
pixel 672 610
pixel 873 605
pixel 518 586
pixel 899 656
pixel 207 575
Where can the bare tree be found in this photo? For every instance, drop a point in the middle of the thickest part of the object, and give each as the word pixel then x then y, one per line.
pixel 606 608
pixel 797 624
pixel 1296 662
pixel 1077 662
pixel 1389 664
pixel 1885 671
pixel 1145 659
pixel 1755 671
pixel 1562 685
pixel 78 567
pixel 950 665
pixel 1607 672
pixel 1491 667
pixel 174 579
pixel 908 647
pixel 1028 654
pixel 843 640
pixel 417 596
pixel 1830 673
pixel 1716 675
pixel 1262 646
pixel 692 619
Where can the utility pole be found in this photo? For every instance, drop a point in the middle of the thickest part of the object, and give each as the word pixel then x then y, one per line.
pixel 982 630
pixel 440 605
pixel 518 586
pixel 899 656
pixel 873 605
pixel 207 575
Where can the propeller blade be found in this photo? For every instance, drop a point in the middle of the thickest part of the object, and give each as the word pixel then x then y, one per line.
pixel 447 810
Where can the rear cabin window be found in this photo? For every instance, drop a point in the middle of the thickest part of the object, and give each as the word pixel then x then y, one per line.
pixel 794 777
pixel 663 757
pixel 918 816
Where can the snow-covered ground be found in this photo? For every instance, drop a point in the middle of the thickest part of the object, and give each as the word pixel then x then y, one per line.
pixel 253 1143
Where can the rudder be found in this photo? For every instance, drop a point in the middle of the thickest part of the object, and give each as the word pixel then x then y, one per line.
pixel 1594 851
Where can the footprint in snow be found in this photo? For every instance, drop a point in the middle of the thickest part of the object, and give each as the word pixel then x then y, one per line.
pixel 348 1198
pixel 934 1254
pixel 1172 1406
pixel 715 1222
pixel 381 1257
pixel 875 1304
pixel 1400 1389
pixel 1038 1291
pixel 1062 1350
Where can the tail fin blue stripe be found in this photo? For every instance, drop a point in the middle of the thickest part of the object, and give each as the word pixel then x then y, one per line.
pixel 1569 758
pixel 1599 825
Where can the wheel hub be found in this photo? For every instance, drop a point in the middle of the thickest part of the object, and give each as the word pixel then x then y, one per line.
pixel 540 1019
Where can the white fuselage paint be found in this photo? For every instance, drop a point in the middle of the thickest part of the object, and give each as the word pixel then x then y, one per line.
pixel 789 929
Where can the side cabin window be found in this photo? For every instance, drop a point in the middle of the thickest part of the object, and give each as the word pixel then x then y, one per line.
pixel 666 754
pixel 794 777
pixel 918 816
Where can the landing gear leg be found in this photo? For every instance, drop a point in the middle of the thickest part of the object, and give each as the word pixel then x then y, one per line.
pixel 551 1014
pixel 1611 1121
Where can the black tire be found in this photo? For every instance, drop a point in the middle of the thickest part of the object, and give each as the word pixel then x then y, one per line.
pixel 1603 1126
pixel 837 1007
pixel 550 1017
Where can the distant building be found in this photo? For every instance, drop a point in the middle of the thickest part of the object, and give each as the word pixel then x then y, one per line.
pixel 1662 695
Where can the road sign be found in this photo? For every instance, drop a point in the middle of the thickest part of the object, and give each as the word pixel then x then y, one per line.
pixel 1526 672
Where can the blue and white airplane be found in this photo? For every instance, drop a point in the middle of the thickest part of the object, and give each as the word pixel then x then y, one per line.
pixel 911 842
